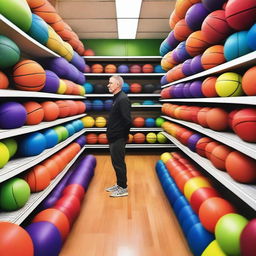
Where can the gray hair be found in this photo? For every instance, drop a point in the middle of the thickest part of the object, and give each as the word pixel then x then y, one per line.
pixel 119 79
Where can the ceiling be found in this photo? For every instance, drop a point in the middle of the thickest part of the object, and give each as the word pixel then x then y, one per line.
pixel 92 19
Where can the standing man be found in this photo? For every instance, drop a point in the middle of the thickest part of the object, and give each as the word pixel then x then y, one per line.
pixel 119 124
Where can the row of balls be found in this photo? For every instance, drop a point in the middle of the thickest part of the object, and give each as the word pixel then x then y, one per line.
pixel 15 114
pixel 239 166
pixel 134 68
pixel 240 121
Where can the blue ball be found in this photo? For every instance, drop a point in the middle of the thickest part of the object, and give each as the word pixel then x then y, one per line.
pixel 88 87
pixel 236 45
pixel 188 223
pixel 164 48
pixel 184 213
pixel 173 193
pixel 158 69
pixel 78 125
pixel 108 105
pixel 97 105
pixel 126 88
pixel 198 239
pixel 179 204
pixel 150 122
pixel 123 69
pixel 39 29
pixel 51 138
pixel 148 102
pixel 32 144
pixel 88 105
pixel 251 37
pixel 70 128
pixel 163 80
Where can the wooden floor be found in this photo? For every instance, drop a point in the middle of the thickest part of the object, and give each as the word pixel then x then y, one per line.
pixel 141 224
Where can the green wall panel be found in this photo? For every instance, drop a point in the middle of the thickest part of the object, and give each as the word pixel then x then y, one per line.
pixel 124 47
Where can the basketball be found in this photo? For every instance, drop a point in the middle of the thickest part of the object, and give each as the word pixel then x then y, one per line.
pixel 196 43
pixel 208 87
pixel 217 119
pixel 51 111
pixel 110 68
pixel 229 85
pixel 210 147
pixel 201 116
pixel 147 68
pixel 91 138
pixel 213 5
pixel 182 30
pixel 139 138
pixel 35 112
pixel 89 52
pixel 97 68
pixel 47 12
pixel 181 7
pixel 213 56
pixel 135 88
pixel 135 68
pixel 219 155
pixel 28 75
pixel 100 122
pixel 4 82
pixel 138 122
pixel 88 121
pixel 215 27
pixel 201 145
pixel 102 138
pixel 251 35
pixel 151 137
pixel 248 84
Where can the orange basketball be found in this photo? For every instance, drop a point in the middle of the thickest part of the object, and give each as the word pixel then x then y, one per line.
pixel 201 145
pixel 52 167
pixel 130 138
pixel 173 19
pixel 47 12
pixel 217 119
pixel 63 107
pixel 65 34
pixel 97 68
pixel 147 68
pixel 177 73
pixel 219 155
pixel 88 52
pixel 110 68
pixel 182 30
pixel 51 111
pixel 213 57
pixel 59 161
pixel 196 43
pixel 248 83
pixel 210 147
pixel 81 106
pixel 138 122
pixel 38 178
pixel 91 138
pixel 181 7
pixel 102 138
pixel 208 87
pixel 35 3
pixel 73 107
pixel 139 137
pixel 35 112
pixel 135 88
pixel 28 75
pixel 59 25
pixel 4 82
pixel 201 116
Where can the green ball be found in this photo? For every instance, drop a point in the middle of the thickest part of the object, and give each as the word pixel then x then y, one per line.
pixel 159 121
pixel 12 146
pixel 151 137
pixel 14 194
pixel 64 133
pixel 5 155
pixel 135 104
pixel 228 231
pixel 58 130
pixel 18 12
pixel 9 52
pixel 161 138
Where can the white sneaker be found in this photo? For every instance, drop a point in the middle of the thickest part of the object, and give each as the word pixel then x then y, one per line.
pixel 119 192
pixel 112 189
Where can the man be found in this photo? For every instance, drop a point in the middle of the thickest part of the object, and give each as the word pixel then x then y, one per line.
pixel 118 128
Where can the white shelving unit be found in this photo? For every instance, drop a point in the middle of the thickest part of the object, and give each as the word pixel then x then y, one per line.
pixel 124 74
pixel 36 198
pixel 143 129
pixel 16 166
pixel 33 128
pixel 26 94
pixel 131 95
pixel 122 58
pixel 243 61
pixel 26 43
pixel 228 138
pixel 167 145
pixel 246 192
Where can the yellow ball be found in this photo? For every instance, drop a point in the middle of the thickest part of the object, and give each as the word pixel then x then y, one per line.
pixel 165 157
pixel 12 146
pixel 100 122
pixel 88 121
pixel 151 137
pixel 213 249
pixel 229 84
pixel 55 43
pixel 161 138
pixel 195 183
pixel 62 87
pixel 69 51
pixel 81 90
pixel 166 62
pixel 5 155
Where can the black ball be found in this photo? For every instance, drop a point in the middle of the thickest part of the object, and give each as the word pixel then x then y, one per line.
pixel 148 88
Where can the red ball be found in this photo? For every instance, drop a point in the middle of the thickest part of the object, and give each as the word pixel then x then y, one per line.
pixel 35 112
pixel 73 107
pixel 110 68
pixel 210 147
pixel 181 178
pixel 219 155
pixel 63 107
pixel 88 52
pixel 139 137
pixel 248 238
pixel 193 113
pixel 135 68
pixel 51 111
pixel 217 119
pixel 212 209
pixel 138 122
pixel 135 88
pixel 230 118
pixel 147 68
pixel 183 138
pixel 244 124
pixel 208 87
pixel 52 167
pixel 91 138
pixel 4 82
pixel 97 68
pixel 81 106
pixel 201 195
pixel 75 190
pixel 182 30
pixel 102 138
pixel 248 83
pixel 201 145
pixel 201 116
pixel 241 167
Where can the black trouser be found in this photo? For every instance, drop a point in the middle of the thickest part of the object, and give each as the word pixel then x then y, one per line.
pixel 117 152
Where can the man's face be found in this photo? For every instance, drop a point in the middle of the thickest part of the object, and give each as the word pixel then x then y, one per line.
pixel 113 85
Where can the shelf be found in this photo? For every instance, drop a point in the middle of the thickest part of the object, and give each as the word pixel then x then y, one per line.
pixel 27 94
pixel 26 43
pixel 124 74
pixel 133 146
pixel 142 129
pixel 33 128
pixel 122 58
pixel 35 198
pixel 246 192
pixel 147 106
pixel 16 166
pixel 249 100
pixel 245 60
pixel 129 95
pixel 228 138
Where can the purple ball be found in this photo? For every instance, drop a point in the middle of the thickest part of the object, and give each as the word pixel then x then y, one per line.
pixel 46 238
pixel 186 67
pixel 12 115
pixel 108 105
pixel 60 66
pixel 52 82
pixel 182 52
pixel 196 65
pixel 186 90
pixel 213 5
pixel 78 62
pixel 170 90
pixel 193 139
pixel 195 16
pixel 163 80
pixel 81 78
pixel 177 91
pixel 196 89
pixel 123 69
pixel 81 141
pixel 171 40
pixel 88 105
pixel 176 57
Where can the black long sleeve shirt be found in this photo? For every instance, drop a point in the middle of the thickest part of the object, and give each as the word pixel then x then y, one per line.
pixel 119 121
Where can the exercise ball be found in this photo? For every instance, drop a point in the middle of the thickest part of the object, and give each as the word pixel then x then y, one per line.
pixel 196 64
pixel 195 89
pixel 192 141
pixel 165 157
pixel 158 69
pixel 51 137
pixel 148 88
pixel 147 68
pixel 213 5
pixel 135 68
pixel 126 87
pixel 150 122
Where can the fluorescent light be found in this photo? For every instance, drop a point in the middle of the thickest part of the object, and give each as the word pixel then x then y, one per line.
pixel 127 13
pixel 127 28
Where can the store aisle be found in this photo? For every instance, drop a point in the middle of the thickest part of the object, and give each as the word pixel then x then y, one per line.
pixel 141 224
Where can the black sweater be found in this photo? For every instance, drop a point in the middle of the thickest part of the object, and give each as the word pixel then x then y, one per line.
pixel 119 121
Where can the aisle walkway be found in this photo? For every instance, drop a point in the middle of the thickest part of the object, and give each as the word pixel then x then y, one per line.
pixel 141 224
